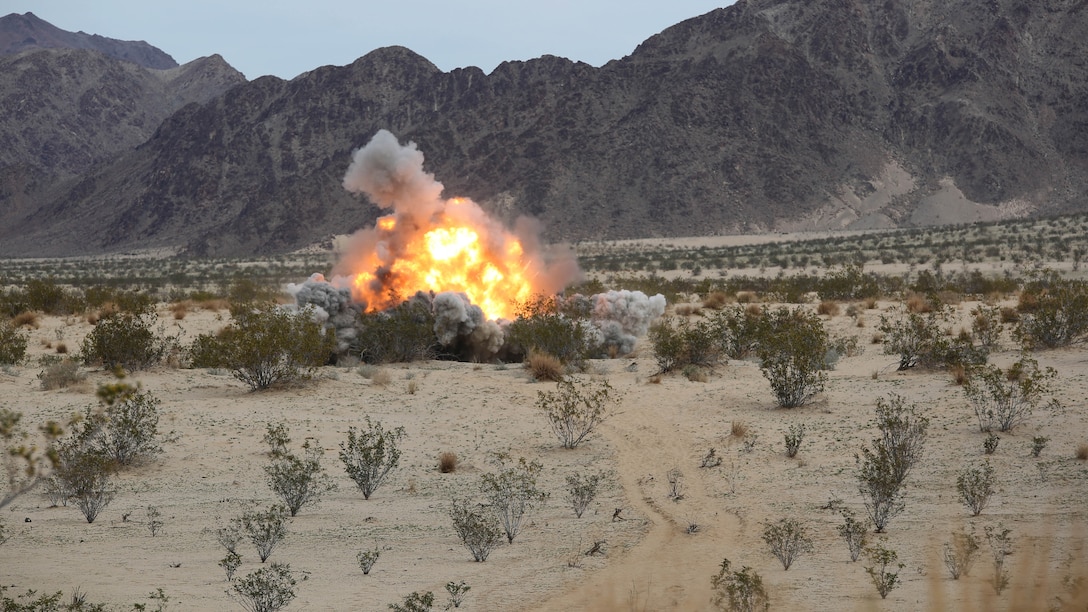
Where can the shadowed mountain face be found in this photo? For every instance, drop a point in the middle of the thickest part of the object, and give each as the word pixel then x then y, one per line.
pixel 26 32
pixel 768 114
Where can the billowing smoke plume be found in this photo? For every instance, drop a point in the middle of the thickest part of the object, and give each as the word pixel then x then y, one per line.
pixel 332 305
pixel 623 316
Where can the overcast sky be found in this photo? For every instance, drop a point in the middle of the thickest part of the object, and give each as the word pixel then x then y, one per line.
pixel 286 38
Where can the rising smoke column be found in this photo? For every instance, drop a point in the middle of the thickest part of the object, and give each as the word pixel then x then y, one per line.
pixel 432 244
pixel 622 316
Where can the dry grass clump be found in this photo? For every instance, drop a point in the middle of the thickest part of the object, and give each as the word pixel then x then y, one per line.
pixel 1028 302
pixel 181 309
pixel 213 304
pixel 686 310
pixel 738 429
pixel 447 462
pixel 26 319
pixel 62 348
pixel 1082 452
pixel 746 297
pixel 754 310
pixel 381 377
pixel 877 338
pixel 959 374
pixel 1009 314
pixel 918 304
pixel 828 307
pixel 544 366
pixel 716 300
pixel 60 375
pixel 870 303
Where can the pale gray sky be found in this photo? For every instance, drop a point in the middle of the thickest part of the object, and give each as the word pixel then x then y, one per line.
pixel 286 38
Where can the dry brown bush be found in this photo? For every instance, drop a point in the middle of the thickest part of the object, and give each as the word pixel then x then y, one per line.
pixel 447 462
pixel 877 338
pixel 959 374
pixel 745 297
pixel 214 305
pixel 870 303
pixel 716 300
pixel 62 348
pixel 1009 315
pixel 26 319
pixel 828 307
pixel 381 378
pixel 738 429
pixel 181 309
pixel 685 310
pixel 545 367
pixel 1082 452
pixel 918 304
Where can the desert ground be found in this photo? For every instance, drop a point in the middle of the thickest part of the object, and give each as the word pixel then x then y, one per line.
pixel 659 555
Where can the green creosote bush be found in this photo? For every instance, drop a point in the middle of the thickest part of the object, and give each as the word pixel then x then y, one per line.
pixel 791 354
pixel 512 492
pixel 401 334
pixel 277 437
pixel 576 408
pixel 989 445
pixel 126 428
pixel 884 569
pixel 920 341
pixel 367 559
pixel 854 532
pixel 738 591
pixel 230 564
pixel 479 531
pixel 126 340
pixel 299 481
pixel 787 540
pixel 87 475
pixel 794 436
pixel 13 343
pixel 457 592
pixel 1003 399
pixel 370 454
pixel 59 372
pixel 1038 443
pixel 414 602
pixel 1000 540
pixel 265 529
pixel 738 330
pixel 683 344
pixel 540 326
pixel 582 489
pixel 975 486
pixel 265 345
pixel 267 589
pixel 1058 315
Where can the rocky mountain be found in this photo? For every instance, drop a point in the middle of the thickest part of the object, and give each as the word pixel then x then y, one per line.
pixel 767 114
pixel 27 32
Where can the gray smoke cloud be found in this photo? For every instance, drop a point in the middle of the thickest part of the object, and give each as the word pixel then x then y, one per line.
pixel 623 316
pixel 457 321
pixel 331 305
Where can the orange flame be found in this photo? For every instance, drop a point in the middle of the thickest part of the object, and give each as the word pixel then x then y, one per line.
pixel 459 250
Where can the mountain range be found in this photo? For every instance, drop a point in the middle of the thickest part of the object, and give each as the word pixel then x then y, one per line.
pixel 763 115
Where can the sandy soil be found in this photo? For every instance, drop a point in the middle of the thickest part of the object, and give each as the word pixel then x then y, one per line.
pixel 213 472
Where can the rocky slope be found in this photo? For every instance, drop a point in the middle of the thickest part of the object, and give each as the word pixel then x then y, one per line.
pixel 768 114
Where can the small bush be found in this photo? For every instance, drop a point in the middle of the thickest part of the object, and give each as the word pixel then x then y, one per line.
pixel 26 318
pixel 582 490
pixel 230 564
pixel 126 340
pixel 401 334
pixel 61 374
pixel 541 327
pixel 854 533
pixel 989 445
pixel 265 529
pixel 543 366
pixel 740 591
pixel 265 345
pixel 370 454
pixel 787 540
pixel 975 486
pixel 1058 312
pixel 794 437
pixel 1038 443
pixel 1000 540
pixel 480 532
pixel 575 410
pixel 277 436
pixel 457 592
pixel 367 559
pixel 683 343
pixel 447 462
pixel 299 481
pixel 89 477
pixel 738 429
pixel 13 344
pixel 828 308
pixel 1082 452
pixel 791 353
pixel 127 429
pixel 414 602
pixel 1006 399
pixel 266 590
pixel 738 330
pixel 512 493
pixel 882 563
pixel 959 554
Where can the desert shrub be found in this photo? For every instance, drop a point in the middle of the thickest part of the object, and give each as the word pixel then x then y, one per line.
pixel 60 373
pixel 959 554
pixel 903 433
pixel 277 436
pixel 1081 452
pixel 837 348
pixel 854 532
pixel 512 492
pixel 919 340
pixel 1038 443
pixel 575 409
pixel 370 454
pixel 400 334
pixel 126 340
pixel 884 569
pixel 13 344
pixel 457 592
pixel 738 329
pixel 986 327
pixel 975 486
pixel 541 327
pixel 989 445
pixel 268 589
pixel 828 308
pixel 27 318
pixel 265 345
pixel 1000 540
pixel 738 591
pixel 230 564
pixel 154 521
pixel 25 460
pixel 1058 314
pixel 265 529
pixel 738 429
pixel 791 354
pixel 683 343
pixel 1003 399
pixel 414 602
pixel 480 532
pixel 447 462
pixel 88 475
pixel 582 490
pixel 367 559
pixel 45 295
pixel 543 366
pixel 787 540
pixel 716 300
pixel 794 436
pixel 299 481
pixel 126 429
pixel 847 283
pixel 879 485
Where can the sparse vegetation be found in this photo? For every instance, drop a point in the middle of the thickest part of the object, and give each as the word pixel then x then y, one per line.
pixel 791 355
pixel 265 529
pixel 787 540
pixel 794 436
pixel 854 532
pixel 367 559
pixel 975 486
pixel 479 531
pixel 582 490
pixel 456 592
pixel 13 344
pixel 370 454
pixel 576 408
pixel 1004 399
pixel 126 340
pixel 883 569
pixel 414 602
pixel 959 554
pixel 512 492
pixel 299 481
pixel 268 589
pixel 738 591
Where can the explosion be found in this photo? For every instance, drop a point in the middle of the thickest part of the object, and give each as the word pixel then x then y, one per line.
pixel 431 244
